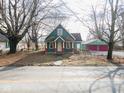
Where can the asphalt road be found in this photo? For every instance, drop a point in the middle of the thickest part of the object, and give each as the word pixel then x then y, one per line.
pixel 61 79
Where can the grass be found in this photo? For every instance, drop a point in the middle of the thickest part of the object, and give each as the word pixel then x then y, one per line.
pixel 40 59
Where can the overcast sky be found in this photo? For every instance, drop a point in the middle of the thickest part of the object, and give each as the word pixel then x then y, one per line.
pixel 81 7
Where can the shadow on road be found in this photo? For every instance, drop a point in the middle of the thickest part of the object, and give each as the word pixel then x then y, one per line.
pixel 111 75
pixel 8 68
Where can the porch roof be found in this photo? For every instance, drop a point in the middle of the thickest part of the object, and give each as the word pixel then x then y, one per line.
pixel 59 38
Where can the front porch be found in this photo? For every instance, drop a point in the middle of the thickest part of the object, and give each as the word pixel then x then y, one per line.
pixel 59 47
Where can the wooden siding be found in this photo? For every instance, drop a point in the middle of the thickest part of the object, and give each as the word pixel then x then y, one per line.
pixel 103 48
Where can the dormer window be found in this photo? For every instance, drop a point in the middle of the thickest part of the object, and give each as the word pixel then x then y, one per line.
pixel 59 32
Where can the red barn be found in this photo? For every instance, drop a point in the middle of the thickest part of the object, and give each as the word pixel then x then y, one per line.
pixel 96 45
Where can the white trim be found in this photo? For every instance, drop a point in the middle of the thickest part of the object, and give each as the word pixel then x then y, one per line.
pixel 71 35
pixel 45 45
pixel 58 38
pixel 63 44
pixel 55 44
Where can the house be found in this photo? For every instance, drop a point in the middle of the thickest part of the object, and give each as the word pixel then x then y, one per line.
pixel 3 43
pixel 95 45
pixel 61 41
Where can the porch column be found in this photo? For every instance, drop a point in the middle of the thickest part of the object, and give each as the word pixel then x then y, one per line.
pixel 73 47
pixel 63 45
pixel 45 47
pixel 55 44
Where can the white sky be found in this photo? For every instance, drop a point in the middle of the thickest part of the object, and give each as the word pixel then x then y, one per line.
pixel 81 7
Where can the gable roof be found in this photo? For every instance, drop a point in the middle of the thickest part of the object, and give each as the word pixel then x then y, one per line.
pixel 3 38
pixel 95 42
pixel 77 36
pixel 60 26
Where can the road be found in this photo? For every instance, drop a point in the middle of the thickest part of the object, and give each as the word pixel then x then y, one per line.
pixel 34 79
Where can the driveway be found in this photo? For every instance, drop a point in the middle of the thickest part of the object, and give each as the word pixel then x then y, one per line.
pixel 34 79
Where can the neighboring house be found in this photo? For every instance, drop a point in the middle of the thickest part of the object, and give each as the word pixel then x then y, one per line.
pixel 95 45
pixel 61 41
pixel 4 45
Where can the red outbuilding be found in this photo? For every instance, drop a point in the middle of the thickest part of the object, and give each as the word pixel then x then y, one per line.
pixel 96 45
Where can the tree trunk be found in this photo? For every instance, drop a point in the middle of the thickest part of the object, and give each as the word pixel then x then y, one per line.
pixel 36 45
pixel 28 44
pixel 13 45
pixel 123 44
pixel 110 50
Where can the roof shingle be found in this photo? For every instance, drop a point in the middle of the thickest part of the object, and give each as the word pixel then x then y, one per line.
pixel 77 36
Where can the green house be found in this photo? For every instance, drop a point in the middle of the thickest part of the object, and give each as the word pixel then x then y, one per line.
pixel 61 41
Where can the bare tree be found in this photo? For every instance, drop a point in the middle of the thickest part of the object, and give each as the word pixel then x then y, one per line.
pixel 35 33
pixel 40 25
pixel 38 29
pixel 16 18
pixel 106 24
pixel 26 40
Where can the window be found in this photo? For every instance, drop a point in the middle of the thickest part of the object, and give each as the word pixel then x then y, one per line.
pixel 51 45
pixel 59 32
pixel 68 44
pixel 78 46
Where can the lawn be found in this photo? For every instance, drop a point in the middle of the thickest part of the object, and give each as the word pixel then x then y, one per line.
pixel 40 59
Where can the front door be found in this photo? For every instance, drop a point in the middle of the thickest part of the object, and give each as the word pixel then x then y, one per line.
pixel 59 48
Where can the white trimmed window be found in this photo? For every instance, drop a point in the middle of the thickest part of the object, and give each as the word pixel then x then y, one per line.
pixel 59 32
